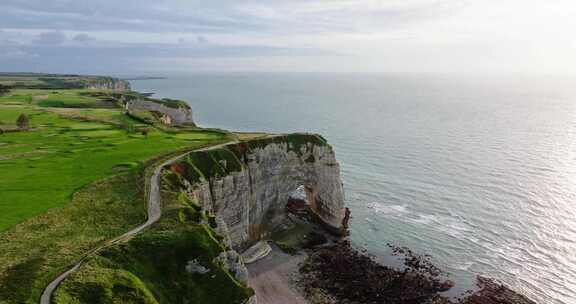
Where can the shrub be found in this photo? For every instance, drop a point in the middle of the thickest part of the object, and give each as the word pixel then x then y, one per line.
pixel 4 90
pixel 23 121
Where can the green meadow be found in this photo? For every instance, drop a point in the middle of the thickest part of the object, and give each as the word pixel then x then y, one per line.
pixel 41 168
pixel 74 178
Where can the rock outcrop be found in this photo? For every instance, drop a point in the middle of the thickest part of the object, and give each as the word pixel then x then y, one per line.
pixel 107 83
pixel 247 185
pixel 172 113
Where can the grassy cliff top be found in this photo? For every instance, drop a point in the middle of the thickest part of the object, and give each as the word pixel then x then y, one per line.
pixel 73 137
pixel 55 81
pixel 112 90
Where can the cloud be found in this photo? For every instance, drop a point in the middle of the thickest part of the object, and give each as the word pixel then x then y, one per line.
pixel 113 57
pixel 51 38
pixel 138 50
pixel 130 15
pixel 11 53
pixel 201 40
pixel 198 40
pixel 83 38
pixel 217 16
pixel 146 30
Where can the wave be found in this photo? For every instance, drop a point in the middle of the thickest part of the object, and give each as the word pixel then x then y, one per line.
pixel 451 225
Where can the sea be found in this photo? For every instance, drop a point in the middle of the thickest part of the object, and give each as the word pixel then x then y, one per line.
pixel 478 172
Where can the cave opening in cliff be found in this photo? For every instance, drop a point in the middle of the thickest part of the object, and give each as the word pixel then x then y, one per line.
pixel 298 202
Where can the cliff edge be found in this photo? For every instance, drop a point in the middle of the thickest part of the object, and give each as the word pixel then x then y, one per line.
pixel 248 184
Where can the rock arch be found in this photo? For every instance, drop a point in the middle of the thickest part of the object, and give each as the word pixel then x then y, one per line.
pixel 254 180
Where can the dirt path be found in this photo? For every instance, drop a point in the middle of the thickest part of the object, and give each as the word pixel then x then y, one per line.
pixel 154 214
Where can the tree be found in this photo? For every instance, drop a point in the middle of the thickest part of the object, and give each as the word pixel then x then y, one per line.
pixel 23 121
pixel 3 90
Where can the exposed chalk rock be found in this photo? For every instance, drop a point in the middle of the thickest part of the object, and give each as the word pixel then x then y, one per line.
pixel 233 263
pixel 256 252
pixel 172 115
pixel 107 83
pixel 247 186
pixel 252 200
pixel 195 267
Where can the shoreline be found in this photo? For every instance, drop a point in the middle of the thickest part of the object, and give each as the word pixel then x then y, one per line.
pixel 273 278
pixel 333 271
pixel 341 274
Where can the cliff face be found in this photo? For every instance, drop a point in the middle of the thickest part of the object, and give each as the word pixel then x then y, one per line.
pixel 247 185
pixel 107 83
pixel 173 115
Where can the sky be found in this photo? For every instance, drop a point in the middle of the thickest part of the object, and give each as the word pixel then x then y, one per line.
pixel 184 36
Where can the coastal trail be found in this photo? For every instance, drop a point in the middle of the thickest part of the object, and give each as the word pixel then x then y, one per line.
pixel 154 214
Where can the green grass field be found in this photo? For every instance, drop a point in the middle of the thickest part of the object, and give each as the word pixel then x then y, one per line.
pixel 73 180
pixel 70 98
pixel 35 251
pixel 40 169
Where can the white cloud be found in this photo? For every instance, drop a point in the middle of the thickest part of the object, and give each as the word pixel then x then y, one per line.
pixel 51 38
pixel 83 37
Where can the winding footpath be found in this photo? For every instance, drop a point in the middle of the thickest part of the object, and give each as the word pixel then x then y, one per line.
pixel 154 214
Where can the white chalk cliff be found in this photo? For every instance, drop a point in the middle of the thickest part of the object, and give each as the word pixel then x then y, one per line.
pixel 176 115
pixel 255 181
